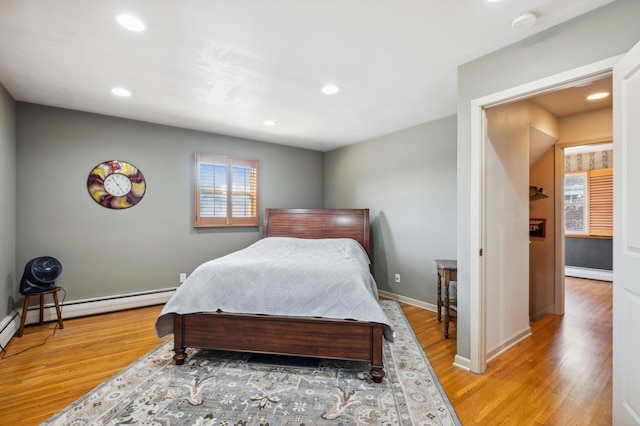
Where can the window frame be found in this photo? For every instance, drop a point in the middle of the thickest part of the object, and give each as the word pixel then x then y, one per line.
pixel 585 204
pixel 229 220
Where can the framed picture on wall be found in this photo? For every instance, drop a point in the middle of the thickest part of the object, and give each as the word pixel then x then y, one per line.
pixel 537 227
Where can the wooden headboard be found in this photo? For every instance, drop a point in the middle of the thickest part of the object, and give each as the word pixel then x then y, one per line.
pixel 318 223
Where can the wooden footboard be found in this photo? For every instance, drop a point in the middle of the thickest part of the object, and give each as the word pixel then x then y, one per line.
pixel 299 336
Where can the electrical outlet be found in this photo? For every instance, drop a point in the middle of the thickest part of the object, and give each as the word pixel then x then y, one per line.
pixel 397 278
pixel 183 277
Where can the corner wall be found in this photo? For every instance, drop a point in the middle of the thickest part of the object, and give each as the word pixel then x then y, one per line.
pixel 8 289
pixel 542 250
pixel 408 180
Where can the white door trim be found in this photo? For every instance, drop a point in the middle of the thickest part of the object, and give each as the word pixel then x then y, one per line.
pixel 477 281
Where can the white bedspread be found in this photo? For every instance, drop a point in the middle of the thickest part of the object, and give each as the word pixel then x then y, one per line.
pixel 327 278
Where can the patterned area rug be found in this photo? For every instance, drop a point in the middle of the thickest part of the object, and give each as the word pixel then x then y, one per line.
pixel 234 389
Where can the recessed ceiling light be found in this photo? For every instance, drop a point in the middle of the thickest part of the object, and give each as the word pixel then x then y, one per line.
pixel 121 91
pixel 598 95
pixel 330 89
pixel 130 22
pixel 269 123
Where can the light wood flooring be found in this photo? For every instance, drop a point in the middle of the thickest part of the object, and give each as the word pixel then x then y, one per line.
pixel 559 376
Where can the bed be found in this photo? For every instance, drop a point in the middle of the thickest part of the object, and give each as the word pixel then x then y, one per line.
pixel 321 331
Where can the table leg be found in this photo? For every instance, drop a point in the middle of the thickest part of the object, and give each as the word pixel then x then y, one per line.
pixel 58 312
pixel 24 315
pixel 41 308
pixel 446 305
pixel 439 297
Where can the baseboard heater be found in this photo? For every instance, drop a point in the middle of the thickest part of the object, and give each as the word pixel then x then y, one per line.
pixel 588 273
pixel 81 308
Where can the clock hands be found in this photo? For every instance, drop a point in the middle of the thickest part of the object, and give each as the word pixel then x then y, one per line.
pixel 118 185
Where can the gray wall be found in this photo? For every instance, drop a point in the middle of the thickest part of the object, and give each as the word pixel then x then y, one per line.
pixel 601 34
pixel 408 180
pixel 593 253
pixel 107 252
pixel 8 289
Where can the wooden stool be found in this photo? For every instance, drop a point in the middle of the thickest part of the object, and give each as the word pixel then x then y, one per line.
pixel 54 291
pixel 447 272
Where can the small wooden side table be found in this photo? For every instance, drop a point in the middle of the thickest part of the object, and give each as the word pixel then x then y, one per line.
pixel 54 291
pixel 447 272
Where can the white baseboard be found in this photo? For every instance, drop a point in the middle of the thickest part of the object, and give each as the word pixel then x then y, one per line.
pixel 540 314
pixel 409 301
pixel 459 361
pixel 462 362
pixel 10 325
pixel 508 344
pixel 588 273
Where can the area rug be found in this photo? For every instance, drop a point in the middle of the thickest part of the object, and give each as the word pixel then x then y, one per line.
pixel 235 389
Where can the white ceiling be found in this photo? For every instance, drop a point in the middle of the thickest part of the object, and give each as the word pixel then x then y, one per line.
pixel 226 66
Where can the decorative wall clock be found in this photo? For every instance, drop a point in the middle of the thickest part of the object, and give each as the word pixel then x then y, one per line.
pixel 116 184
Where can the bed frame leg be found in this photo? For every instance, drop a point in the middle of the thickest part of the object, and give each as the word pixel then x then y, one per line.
pixel 178 345
pixel 180 356
pixel 377 371
pixel 377 374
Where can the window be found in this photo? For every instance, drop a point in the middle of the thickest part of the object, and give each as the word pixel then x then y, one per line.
pixel 588 203
pixel 575 203
pixel 226 191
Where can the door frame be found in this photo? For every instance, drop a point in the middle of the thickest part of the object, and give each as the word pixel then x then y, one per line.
pixel 478 300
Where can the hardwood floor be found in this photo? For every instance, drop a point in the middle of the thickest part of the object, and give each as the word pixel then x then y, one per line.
pixel 559 376
pixel 58 370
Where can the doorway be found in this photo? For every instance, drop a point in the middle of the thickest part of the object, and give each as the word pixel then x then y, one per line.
pixel 483 269
pixel 588 198
pixel 583 146
pixel 519 149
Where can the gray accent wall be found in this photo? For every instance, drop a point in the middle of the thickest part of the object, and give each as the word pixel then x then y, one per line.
pixel 108 252
pixel 601 34
pixel 592 253
pixel 8 289
pixel 408 181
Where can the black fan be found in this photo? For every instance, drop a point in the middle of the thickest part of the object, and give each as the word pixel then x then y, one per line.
pixel 40 274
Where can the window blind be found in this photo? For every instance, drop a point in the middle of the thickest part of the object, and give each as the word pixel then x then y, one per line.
pixel 601 202
pixel 226 191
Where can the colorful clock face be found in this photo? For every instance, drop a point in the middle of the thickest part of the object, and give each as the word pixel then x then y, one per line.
pixel 116 184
